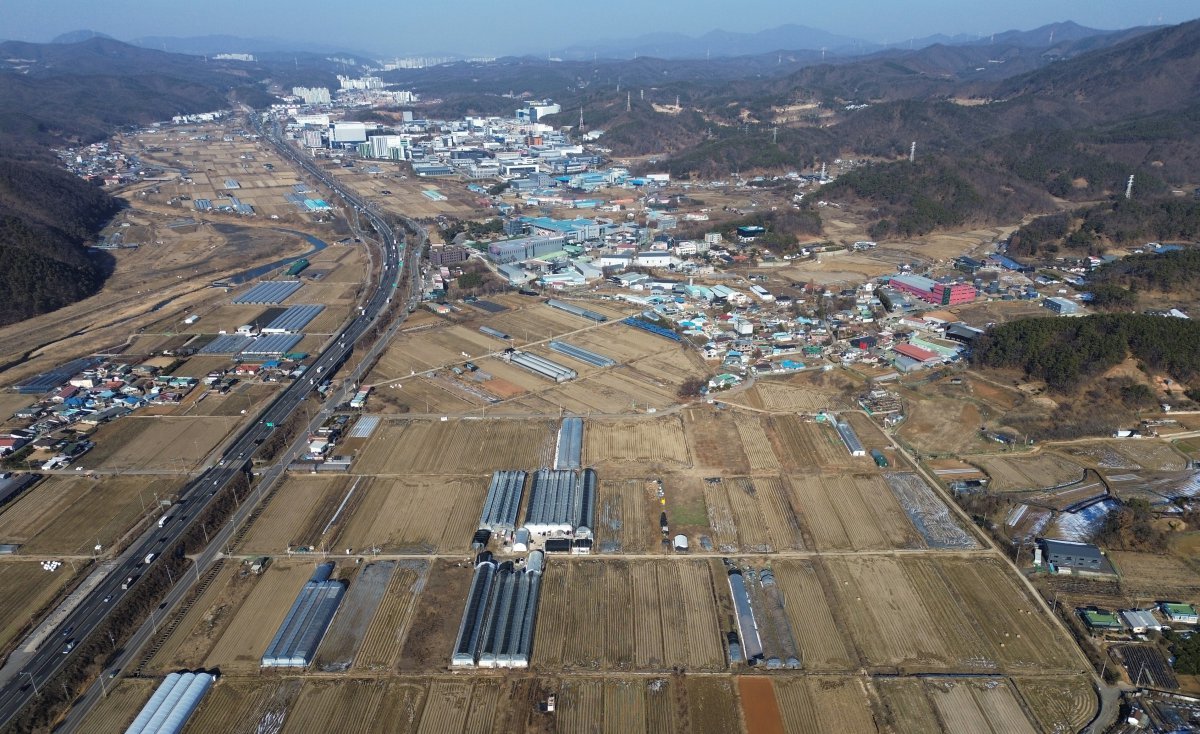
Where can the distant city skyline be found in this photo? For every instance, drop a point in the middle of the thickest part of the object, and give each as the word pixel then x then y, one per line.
pixel 480 27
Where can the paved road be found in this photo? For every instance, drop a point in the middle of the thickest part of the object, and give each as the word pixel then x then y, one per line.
pixel 194 499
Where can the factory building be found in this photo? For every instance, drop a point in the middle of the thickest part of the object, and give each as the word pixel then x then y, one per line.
pixel 295 644
pixel 931 291
pixel 502 502
pixel 1061 306
pixel 173 702
pixel 562 502
pixel 499 617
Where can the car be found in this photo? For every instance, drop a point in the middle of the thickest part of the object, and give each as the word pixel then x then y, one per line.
pixel 108 598
pixel 67 632
pixel 68 647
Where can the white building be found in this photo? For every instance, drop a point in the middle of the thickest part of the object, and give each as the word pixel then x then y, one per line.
pixel 366 82
pixel 392 147
pixel 312 95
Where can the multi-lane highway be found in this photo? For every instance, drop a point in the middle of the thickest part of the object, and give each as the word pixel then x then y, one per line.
pixel 194 499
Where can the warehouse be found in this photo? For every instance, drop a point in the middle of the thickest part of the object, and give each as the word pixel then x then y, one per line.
pixel 576 310
pixel 173 702
pixel 569 452
pixel 850 438
pixel 583 355
pixel 268 293
pixel 494 332
pixel 561 502
pixel 500 614
pixel 931 291
pixel 542 366
pixel 295 644
pixel 293 319
pixel 503 500
pixel 744 613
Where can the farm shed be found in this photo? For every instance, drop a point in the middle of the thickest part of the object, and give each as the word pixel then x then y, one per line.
pixel 744 613
pixel 583 355
pixel 498 619
pixel 1062 554
pixel 1098 619
pixel 173 702
pixel 576 310
pixel 542 366
pixel 502 501
pixel 1179 613
pixel 295 644
pixel 569 452
pixel 850 438
pixel 1140 620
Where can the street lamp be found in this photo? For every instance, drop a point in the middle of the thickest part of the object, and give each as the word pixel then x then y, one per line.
pixel 33 681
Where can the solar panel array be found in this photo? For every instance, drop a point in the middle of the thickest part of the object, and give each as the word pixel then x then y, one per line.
pixel 272 291
pixel 294 319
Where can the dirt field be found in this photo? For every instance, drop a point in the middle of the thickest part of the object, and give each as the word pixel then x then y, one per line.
pixel 250 631
pixel 651 444
pixel 753 514
pixel 1034 471
pixel 344 636
pixel 410 515
pixel 457 446
pixel 627 516
pixel 760 710
pixel 1157 576
pixel 195 634
pixel 979 705
pixel 906 706
pixel 152 442
pixel 296 514
pixel 245 705
pixel 813 704
pixel 117 711
pixel 388 628
pixel 942 426
pixel 852 512
pixel 1062 704
pixel 28 588
pixel 69 515
pixel 709 432
pixel 644 616
pixel 353 706
pixel 712 706
pixel 615 706
pixel 803 444
pixel 434 622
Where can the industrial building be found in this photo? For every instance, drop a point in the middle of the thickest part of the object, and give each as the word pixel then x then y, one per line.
pixel 542 366
pixel 1064 555
pixel 293 319
pixel 173 702
pixel 526 248
pixel 500 615
pixel 502 502
pixel 576 310
pixel 268 293
pixel 583 355
pixel 569 451
pixel 931 291
pixel 1061 306
pixel 562 502
pixel 743 612
pixel 850 438
pixel 295 644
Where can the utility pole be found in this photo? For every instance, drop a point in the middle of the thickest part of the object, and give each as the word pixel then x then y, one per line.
pixel 1129 188
pixel 912 152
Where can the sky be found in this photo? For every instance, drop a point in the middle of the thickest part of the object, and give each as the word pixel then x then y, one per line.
pixel 486 27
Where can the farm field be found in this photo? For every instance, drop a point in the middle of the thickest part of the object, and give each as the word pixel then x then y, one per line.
pixel 432 625
pixel 358 607
pixel 649 616
pixel 388 628
pixel 942 426
pixel 457 446
pixel 245 706
pixel 775 395
pixel 116 711
pixel 760 709
pixel 804 444
pixel 27 588
pixel 752 514
pixel 352 706
pixel 1131 454
pixel 1062 705
pixel 157 442
pixel 296 514
pixel 200 627
pixel 252 626
pixel 709 434
pixel 1156 576
pixel 617 705
pixel 984 621
pixel 712 706
pixel 70 515
pixel 852 512
pixel 816 704
pixel 1034 471
pixel 413 515
pixel 648 444
pixel 979 705
pixel 627 516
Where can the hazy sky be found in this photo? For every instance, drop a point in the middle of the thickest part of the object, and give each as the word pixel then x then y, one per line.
pixel 487 27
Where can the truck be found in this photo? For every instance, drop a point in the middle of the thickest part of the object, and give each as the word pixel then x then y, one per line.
pixel 150 557
pixel 128 582
pixel 167 517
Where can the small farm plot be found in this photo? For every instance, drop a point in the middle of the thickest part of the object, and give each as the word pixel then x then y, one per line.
pixel 648 616
pixel 423 395
pixel 1062 704
pixel 296 514
pixel 803 444
pixel 188 644
pixel 851 512
pixel 388 628
pixel 69 515
pixel 1036 471
pixel 157 442
pixel 929 514
pixel 353 706
pixel 823 704
pixel 760 709
pixel 988 705
pixel 1150 575
pixel 806 587
pixel 937 425
pixel 537 323
pixel 28 588
pixel 246 705
pixel 259 616
pixel 755 443
pixel 776 395
pixel 357 609
pixel 1152 455
pixel 431 629
pixel 752 514
pixel 712 706
pixel 709 434
pixel 646 443
pixel 627 518
pixel 414 514
pixel 460 446
pixel 117 711
pixel 616 705
pixel 906 705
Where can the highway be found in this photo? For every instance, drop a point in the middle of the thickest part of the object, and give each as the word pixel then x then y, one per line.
pixel 194 499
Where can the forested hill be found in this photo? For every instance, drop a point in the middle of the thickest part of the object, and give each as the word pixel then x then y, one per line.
pixel 45 213
pixel 1064 352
